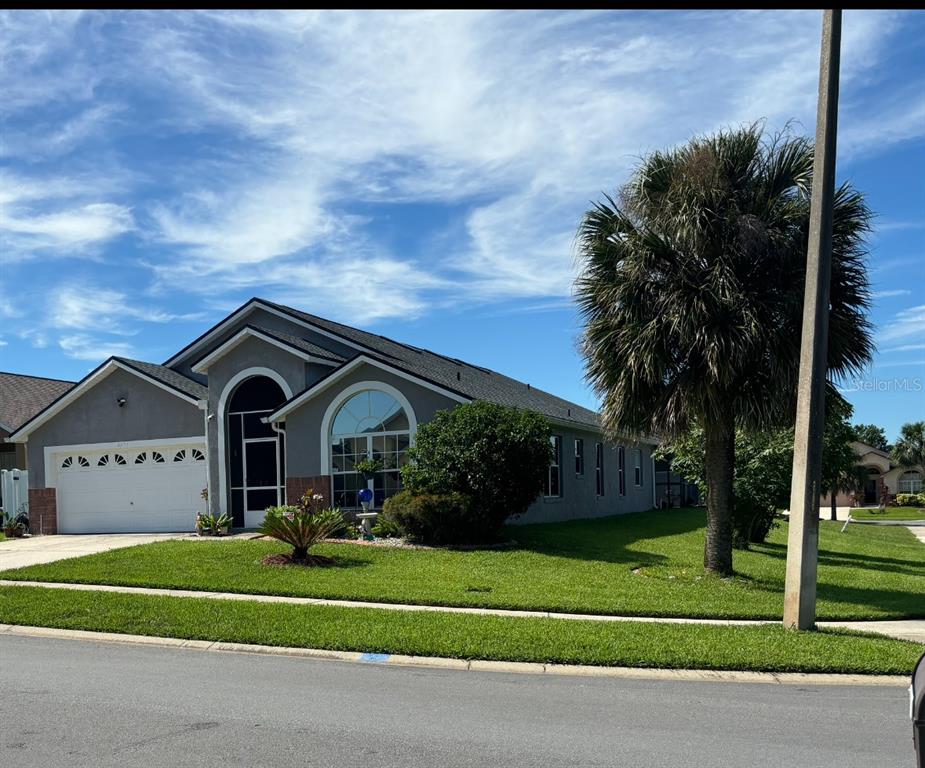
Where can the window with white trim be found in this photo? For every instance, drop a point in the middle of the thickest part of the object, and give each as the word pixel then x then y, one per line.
pixel 553 487
pixel 621 469
pixel 599 467
pixel 910 482
pixel 637 466
pixel 371 424
pixel 579 457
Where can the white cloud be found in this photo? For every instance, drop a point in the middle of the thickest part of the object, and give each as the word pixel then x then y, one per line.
pixel 85 347
pixel 253 224
pixel 891 293
pixel 513 120
pixel 35 337
pixel 50 140
pixel 70 227
pixel 102 310
pixel 908 322
pixel 905 348
pixel 56 216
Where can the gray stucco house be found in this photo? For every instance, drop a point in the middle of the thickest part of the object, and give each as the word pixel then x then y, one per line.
pixel 271 401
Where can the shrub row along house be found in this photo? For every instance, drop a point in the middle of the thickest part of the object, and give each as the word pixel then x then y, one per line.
pixel 272 401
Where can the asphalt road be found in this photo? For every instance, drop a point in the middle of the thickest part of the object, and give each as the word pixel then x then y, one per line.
pixel 75 703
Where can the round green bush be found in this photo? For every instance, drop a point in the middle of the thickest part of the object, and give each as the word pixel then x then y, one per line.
pixel 496 456
pixel 431 518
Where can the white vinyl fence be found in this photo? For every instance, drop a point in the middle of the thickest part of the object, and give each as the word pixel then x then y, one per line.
pixel 14 492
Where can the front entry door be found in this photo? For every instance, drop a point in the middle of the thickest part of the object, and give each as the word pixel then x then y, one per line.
pixel 870 491
pixel 256 455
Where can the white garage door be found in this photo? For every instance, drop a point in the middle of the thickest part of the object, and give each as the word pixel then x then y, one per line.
pixel 130 490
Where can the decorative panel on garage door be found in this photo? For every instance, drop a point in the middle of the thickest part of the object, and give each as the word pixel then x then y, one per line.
pixel 150 488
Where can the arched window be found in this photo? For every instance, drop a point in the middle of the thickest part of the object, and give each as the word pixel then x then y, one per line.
pixel 370 424
pixel 910 482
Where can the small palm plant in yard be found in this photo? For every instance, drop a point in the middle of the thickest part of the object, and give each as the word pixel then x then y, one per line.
pixel 301 526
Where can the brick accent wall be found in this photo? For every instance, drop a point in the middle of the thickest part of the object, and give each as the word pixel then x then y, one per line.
pixel 296 486
pixel 43 511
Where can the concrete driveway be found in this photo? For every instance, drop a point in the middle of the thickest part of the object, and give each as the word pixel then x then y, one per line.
pixel 17 553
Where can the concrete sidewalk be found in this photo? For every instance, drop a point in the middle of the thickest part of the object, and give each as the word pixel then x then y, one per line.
pixel 912 629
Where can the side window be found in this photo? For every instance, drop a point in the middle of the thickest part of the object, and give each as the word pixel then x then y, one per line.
pixel 621 469
pixel 579 457
pixel 637 458
pixel 599 467
pixel 554 476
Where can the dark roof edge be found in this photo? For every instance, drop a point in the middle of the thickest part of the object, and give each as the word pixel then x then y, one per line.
pixel 43 378
pixel 54 402
pixel 130 363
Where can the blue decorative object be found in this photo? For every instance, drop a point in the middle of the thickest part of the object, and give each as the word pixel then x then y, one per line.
pixel 365 496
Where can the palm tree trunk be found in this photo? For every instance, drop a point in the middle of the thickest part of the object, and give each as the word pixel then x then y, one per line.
pixel 719 463
pixel 834 510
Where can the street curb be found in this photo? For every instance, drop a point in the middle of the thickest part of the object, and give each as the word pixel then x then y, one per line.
pixel 463 665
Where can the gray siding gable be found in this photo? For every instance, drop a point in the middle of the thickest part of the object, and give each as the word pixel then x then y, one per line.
pixel 94 416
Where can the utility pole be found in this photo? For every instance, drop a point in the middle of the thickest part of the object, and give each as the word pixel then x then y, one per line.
pixel 803 538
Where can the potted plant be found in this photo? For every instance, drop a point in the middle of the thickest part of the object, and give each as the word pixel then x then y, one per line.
pixel 369 467
pixel 221 525
pixel 208 524
pixel 15 525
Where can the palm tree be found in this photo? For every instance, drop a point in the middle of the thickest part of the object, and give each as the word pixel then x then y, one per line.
pixel 909 450
pixel 691 293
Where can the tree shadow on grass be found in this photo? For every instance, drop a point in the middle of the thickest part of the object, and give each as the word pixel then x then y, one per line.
pixel 852 560
pixel 608 539
pixel 890 602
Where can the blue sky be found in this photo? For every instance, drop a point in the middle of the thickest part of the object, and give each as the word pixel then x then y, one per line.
pixel 417 174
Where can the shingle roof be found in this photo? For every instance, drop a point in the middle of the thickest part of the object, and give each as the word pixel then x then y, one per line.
pixel 168 376
pixel 21 397
pixel 303 344
pixel 456 375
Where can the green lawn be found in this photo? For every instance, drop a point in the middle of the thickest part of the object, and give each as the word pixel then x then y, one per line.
pixel 644 564
pixel 890 513
pixel 636 644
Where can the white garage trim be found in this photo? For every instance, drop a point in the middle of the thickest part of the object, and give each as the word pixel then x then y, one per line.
pixel 51 469
pixel 137 486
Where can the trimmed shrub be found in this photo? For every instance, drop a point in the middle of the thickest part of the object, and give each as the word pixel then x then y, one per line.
pixel 910 499
pixel 302 526
pixel 431 518
pixel 496 456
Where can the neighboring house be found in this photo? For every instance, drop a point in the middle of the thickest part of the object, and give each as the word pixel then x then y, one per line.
pixel 21 398
pixel 272 401
pixel 881 474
